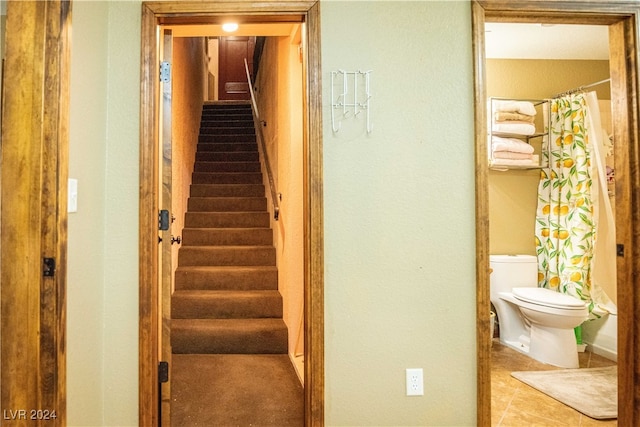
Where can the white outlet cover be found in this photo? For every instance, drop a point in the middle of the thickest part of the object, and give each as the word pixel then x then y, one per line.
pixel 414 381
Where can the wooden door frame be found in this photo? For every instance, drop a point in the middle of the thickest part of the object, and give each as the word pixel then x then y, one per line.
pixel 623 20
pixel 153 15
pixel 35 143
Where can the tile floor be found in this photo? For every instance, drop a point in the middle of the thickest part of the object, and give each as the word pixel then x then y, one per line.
pixel 515 404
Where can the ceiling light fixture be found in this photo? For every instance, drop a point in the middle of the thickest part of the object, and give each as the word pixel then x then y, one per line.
pixel 230 27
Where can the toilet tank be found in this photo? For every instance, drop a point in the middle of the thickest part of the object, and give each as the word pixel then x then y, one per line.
pixel 510 271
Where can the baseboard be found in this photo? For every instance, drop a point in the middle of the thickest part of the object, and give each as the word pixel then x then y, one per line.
pixel 298 364
pixel 601 336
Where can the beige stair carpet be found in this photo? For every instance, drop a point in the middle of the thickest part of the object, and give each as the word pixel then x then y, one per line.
pixel 216 390
pixel 230 365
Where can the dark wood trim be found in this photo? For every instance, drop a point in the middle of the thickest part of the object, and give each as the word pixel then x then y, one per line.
pixel 622 19
pixel 153 13
pixel 624 94
pixel 314 227
pixel 483 304
pixel 34 171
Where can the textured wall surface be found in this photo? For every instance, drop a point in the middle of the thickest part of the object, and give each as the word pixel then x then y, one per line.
pixel 399 216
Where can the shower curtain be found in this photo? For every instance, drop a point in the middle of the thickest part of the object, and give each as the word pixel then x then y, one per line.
pixel 568 207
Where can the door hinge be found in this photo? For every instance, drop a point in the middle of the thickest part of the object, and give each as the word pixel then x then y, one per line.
pixel 48 267
pixel 163 372
pixel 620 250
pixel 163 220
pixel 165 72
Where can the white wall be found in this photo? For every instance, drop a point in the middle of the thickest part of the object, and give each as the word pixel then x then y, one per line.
pixel 399 216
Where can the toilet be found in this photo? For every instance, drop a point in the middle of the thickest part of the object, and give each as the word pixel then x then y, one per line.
pixel 535 321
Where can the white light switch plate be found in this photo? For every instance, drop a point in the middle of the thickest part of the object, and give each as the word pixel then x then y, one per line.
pixel 72 196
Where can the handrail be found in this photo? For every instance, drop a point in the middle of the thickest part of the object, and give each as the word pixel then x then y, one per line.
pixel 258 125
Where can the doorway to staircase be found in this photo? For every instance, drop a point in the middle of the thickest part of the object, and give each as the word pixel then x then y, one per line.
pixel 231 355
pixel 165 13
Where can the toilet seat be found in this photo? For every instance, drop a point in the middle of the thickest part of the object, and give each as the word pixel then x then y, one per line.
pixel 548 298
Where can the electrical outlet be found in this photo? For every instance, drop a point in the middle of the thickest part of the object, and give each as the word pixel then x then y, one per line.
pixel 415 385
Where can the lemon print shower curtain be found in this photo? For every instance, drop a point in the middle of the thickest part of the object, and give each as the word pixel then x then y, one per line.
pixel 565 231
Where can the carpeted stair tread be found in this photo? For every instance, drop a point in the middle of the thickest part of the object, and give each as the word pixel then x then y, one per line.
pixel 226 278
pixel 201 304
pixel 227 190
pixel 218 204
pixel 226 219
pixel 226 236
pixel 229 336
pixel 227 255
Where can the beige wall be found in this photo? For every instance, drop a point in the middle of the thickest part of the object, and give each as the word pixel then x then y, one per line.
pixel 89 267
pixel 187 97
pixel 399 216
pixel 513 194
pixel 280 105
pixel 102 310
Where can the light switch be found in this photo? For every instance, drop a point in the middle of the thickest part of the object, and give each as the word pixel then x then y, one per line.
pixel 72 196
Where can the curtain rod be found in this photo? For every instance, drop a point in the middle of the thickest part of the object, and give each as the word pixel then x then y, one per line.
pixel 581 88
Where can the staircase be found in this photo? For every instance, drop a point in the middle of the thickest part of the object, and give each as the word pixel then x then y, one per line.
pixel 226 298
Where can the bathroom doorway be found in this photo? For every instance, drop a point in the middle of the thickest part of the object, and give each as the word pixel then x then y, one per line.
pixel 528 61
pixel 621 26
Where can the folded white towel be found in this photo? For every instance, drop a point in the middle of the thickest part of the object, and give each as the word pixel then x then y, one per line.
pixel 514 145
pixel 522 107
pixel 504 116
pixel 516 128
pixel 511 155
pixel 515 162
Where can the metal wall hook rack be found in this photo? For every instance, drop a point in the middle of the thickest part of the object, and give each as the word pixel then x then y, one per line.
pixel 347 102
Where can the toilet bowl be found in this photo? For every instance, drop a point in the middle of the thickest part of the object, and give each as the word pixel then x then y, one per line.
pixel 535 321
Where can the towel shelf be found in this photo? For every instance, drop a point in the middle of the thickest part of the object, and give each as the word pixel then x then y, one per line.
pixel 535 137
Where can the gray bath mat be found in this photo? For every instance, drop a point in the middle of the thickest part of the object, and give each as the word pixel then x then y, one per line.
pixel 592 391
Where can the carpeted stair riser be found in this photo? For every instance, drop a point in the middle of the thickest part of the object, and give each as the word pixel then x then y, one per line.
pixel 243 146
pixel 227 204
pixel 229 336
pixel 227 156
pixel 213 130
pixel 227 177
pixel 236 113
pixel 226 236
pixel 226 139
pixel 226 278
pixel 203 304
pixel 226 219
pixel 227 190
pixel 227 122
pixel 228 166
pixel 227 255
pixel 226 297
